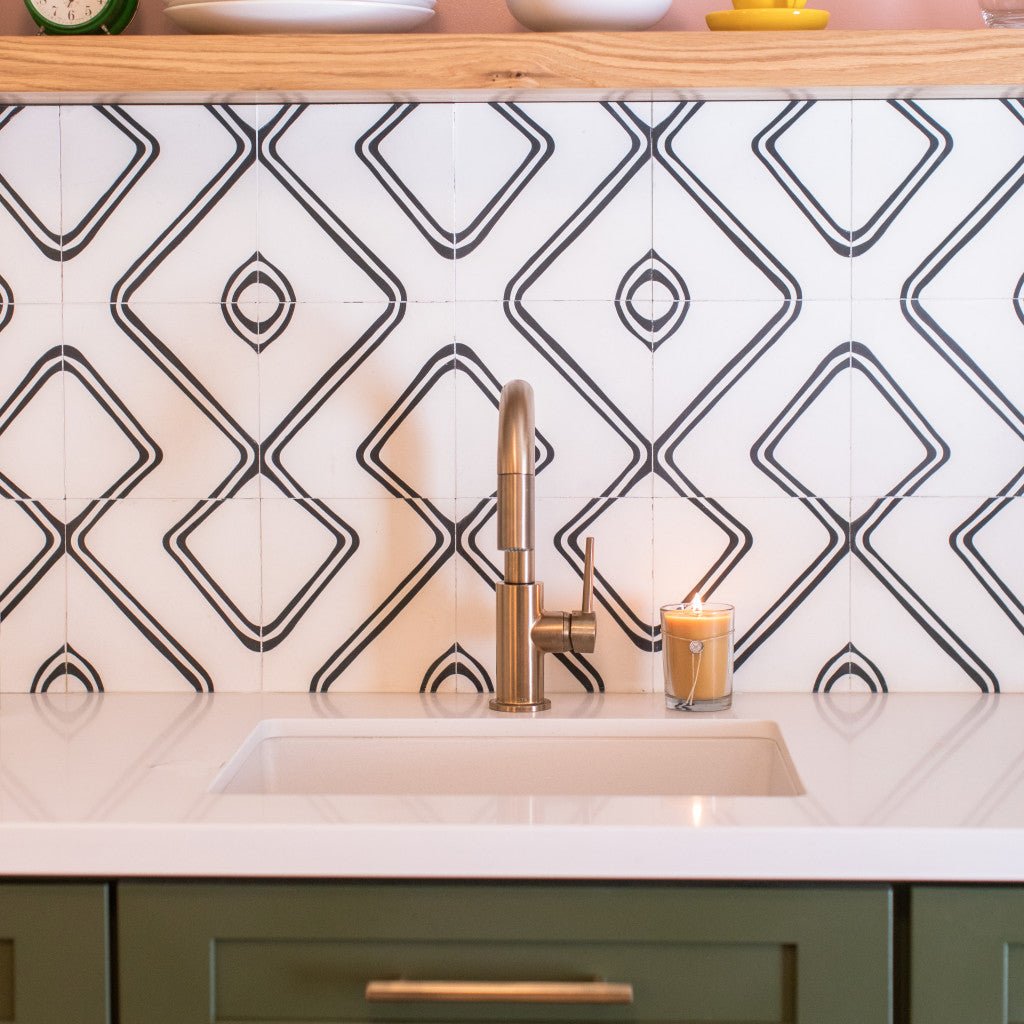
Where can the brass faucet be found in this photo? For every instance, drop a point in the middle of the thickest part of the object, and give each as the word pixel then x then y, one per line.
pixel 525 631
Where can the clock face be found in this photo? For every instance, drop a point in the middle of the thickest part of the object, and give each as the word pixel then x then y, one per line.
pixel 72 14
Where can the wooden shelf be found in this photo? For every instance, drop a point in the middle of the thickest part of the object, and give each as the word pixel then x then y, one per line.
pixel 541 66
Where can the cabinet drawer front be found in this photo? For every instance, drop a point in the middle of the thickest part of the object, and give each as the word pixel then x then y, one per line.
pixel 326 981
pixel 255 953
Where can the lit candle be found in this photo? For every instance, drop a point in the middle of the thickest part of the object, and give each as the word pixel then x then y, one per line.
pixel 697 641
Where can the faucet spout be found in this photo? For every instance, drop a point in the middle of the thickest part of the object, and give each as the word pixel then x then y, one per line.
pixel 525 631
pixel 516 439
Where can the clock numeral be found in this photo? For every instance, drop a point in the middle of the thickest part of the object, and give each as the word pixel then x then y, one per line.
pixel 78 16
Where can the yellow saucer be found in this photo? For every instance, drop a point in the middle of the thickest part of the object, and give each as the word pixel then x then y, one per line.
pixel 767 19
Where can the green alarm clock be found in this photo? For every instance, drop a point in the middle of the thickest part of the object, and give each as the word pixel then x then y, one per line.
pixel 79 17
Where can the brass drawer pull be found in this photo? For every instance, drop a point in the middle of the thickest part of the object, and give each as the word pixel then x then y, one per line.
pixel 498 992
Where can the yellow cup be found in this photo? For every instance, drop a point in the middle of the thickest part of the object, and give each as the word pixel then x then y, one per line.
pixel 749 5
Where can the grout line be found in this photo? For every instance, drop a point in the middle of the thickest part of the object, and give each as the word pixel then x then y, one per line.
pixel 260 425
pixel 652 604
pixel 850 563
pixel 456 440
pixel 63 389
pixel 454 150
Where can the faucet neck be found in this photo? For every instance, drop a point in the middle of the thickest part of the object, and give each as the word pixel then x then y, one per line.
pixel 516 531
pixel 519 567
pixel 516 440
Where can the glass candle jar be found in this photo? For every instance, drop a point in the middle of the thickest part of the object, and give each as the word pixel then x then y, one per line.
pixel 697 655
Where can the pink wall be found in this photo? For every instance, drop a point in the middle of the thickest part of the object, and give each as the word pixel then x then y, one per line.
pixel 493 16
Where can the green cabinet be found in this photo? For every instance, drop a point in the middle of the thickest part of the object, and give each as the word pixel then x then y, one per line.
pixel 53 954
pixel 967 955
pixel 256 953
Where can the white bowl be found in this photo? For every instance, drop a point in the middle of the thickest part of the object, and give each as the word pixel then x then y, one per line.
pixel 581 15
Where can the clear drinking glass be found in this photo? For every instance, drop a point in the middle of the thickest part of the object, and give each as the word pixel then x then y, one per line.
pixel 1002 13
pixel 697 655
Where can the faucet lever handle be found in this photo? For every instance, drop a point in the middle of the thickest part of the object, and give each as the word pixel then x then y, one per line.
pixel 588 578
pixel 583 624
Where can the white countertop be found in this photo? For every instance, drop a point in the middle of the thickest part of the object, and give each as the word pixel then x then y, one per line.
pixel 898 788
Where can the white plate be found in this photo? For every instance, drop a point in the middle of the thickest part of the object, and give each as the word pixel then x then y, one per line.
pixel 264 16
pixel 430 4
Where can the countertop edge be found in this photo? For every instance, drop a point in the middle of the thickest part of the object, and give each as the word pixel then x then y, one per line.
pixel 852 855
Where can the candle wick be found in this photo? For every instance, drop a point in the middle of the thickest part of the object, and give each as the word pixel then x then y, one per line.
pixel 696 655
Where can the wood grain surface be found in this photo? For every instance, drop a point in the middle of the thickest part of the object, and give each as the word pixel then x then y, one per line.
pixel 555 64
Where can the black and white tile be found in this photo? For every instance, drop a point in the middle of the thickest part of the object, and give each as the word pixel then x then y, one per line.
pixel 32 467
pixel 552 200
pixel 162 401
pixel 937 408
pixel 357 401
pixel 250 360
pixel 592 387
pixel 786 570
pixel 752 399
pixel 32 384
pixel 940 183
pixel 33 596
pixel 752 200
pixel 356 201
pixel 155 609
pixel 378 615
pixel 920 608
pixel 161 200
pixel 30 205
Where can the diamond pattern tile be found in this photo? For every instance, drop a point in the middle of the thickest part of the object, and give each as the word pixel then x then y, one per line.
pixel 251 358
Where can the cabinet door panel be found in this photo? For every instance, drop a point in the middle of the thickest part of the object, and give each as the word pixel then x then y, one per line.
pixel 967 955
pixel 258 953
pixel 53 954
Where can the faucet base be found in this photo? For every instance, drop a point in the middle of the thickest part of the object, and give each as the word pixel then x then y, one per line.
pixel 500 705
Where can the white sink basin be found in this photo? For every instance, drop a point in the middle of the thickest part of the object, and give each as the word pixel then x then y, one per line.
pixel 512 757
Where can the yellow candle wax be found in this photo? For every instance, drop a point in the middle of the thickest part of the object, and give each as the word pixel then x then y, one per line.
pixel 697 651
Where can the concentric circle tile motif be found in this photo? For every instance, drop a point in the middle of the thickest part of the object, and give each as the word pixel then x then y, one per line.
pixel 650 285
pixel 258 285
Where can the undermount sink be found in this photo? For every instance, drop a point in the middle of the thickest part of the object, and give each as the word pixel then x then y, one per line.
pixel 492 757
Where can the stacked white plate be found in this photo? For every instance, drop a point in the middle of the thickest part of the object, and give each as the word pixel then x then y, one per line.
pixel 244 17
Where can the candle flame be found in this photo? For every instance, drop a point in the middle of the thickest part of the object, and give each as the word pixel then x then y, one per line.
pixel 698 605
pixel 697 812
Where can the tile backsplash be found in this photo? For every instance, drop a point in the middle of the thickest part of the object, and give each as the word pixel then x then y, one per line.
pixel 250 358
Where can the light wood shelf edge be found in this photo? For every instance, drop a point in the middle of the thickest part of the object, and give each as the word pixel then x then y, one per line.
pixel 540 65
